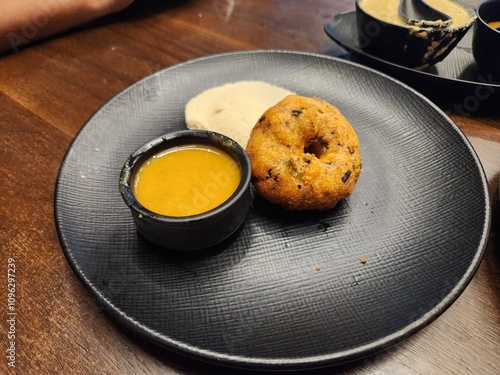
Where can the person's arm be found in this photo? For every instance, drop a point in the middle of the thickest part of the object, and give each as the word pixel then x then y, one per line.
pixel 25 21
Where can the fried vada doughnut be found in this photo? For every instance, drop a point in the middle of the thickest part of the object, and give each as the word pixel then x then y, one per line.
pixel 304 154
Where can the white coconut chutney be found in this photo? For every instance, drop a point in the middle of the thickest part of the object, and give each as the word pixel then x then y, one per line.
pixel 232 109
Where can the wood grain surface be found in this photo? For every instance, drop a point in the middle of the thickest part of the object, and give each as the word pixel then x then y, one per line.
pixel 51 88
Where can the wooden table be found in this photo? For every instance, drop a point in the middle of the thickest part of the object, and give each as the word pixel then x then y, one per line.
pixel 49 90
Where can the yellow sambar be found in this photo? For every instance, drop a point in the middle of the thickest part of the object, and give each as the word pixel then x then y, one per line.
pixel 186 180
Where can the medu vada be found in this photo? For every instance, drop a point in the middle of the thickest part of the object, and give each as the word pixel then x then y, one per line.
pixel 304 154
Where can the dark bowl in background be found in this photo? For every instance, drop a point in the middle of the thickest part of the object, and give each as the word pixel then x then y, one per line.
pixel 486 40
pixel 408 46
pixel 194 232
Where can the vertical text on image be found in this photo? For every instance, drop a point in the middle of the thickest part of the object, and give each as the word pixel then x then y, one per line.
pixel 11 313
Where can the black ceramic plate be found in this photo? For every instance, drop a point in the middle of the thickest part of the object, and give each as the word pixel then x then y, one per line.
pixel 457 71
pixel 288 290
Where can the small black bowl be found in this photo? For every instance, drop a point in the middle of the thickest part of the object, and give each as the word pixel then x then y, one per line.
pixel 486 40
pixel 189 232
pixel 409 45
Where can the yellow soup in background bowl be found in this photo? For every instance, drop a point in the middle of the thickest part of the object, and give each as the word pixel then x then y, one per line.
pixel 486 40
pixel 187 190
pixel 384 33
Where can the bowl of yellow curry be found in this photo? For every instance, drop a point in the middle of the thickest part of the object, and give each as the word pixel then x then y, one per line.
pixel 187 190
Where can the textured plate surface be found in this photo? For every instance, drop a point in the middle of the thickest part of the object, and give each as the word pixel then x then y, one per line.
pixel 288 290
pixel 458 70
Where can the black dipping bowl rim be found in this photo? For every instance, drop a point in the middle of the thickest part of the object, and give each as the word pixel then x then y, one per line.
pixel 481 19
pixel 184 137
pixel 429 29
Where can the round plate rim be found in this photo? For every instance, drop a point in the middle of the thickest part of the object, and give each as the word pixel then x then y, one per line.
pixel 305 363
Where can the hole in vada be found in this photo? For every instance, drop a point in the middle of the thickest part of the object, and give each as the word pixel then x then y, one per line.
pixel 316 146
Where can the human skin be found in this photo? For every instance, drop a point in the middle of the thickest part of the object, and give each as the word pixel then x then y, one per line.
pixel 25 21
